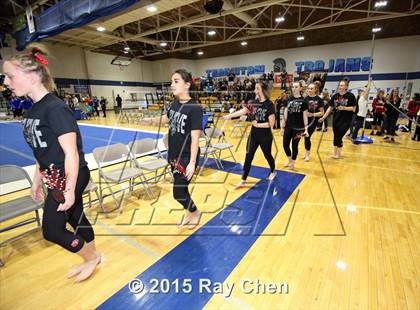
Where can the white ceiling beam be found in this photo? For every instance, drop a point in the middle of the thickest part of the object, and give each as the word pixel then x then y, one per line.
pixel 284 31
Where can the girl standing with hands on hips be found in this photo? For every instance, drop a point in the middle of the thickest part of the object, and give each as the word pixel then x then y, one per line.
pixel 343 105
pixel 50 129
pixel 263 118
pixel 294 124
pixel 185 120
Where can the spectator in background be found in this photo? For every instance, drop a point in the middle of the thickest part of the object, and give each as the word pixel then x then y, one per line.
pixel 392 113
pixel 378 113
pixel 95 104
pixel 119 102
pixel 413 108
pixel 103 105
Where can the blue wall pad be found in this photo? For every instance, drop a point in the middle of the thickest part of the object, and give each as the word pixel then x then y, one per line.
pixel 215 249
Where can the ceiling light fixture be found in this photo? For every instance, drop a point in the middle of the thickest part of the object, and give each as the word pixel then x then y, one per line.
pixel 151 9
pixel 300 38
pixel 211 33
pixel 163 44
pixel 279 19
pixel 380 4
pixel 376 29
pixel 101 29
pixel 244 43
pixel 200 53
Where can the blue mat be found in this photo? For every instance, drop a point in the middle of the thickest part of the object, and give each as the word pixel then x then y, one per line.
pixel 15 151
pixel 213 251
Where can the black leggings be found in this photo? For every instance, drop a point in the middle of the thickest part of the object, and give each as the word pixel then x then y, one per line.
pixel 54 222
pixel 293 135
pixel 391 123
pixel 258 137
pixel 180 189
pixel 312 126
pixel 378 118
pixel 340 129
pixel 417 132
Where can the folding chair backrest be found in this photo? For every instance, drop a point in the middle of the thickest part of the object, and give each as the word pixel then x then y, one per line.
pixel 142 146
pixel 165 140
pixel 11 173
pixel 112 152
pixel 214 133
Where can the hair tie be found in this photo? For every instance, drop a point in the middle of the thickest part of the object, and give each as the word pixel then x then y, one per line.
pixel 40 59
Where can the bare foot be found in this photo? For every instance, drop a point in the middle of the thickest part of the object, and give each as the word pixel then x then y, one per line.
pixel 287 164
pixel 75 270
pixel 240 185
pixel 335 156
pixel 88 269
pixel 272 176
pixel 306 158
pixel 194 219
pixel 185 220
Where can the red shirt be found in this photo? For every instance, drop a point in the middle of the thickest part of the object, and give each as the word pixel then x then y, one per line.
pixel 413 107
pixel 378 105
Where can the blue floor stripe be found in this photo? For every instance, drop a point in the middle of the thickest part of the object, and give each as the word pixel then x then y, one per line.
pixel 215 249
pixel 15 151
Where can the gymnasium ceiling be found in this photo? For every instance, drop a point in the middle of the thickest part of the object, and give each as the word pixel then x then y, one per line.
pixel 184 26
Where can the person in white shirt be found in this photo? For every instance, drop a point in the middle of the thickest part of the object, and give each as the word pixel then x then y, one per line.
pixel 361 114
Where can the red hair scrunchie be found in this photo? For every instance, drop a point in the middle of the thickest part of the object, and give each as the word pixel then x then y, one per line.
pixel 40 59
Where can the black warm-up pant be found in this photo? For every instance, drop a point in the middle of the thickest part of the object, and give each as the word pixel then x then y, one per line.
pixel 291 135
pixel 54 222
pixel 312 126
pixel 262 137
pixel 340 129
pixel 180 188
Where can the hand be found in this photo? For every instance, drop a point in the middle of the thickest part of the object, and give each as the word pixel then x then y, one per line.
pixel 282 131
pixel 340 108
pixel 190 171
pixel 310 114
pixel 69 197
pixel 255 123
pixel 321 120
pixel 224 118
pixel 36 192
pixel 306 134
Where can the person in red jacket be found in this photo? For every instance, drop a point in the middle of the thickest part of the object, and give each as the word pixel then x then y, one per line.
pixel 378 113
pixel 413 107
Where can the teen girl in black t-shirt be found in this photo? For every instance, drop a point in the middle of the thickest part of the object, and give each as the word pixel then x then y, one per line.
pixel 263 118
pixel 294 124
pixel 315 111
pixel 343 105
pixel 185 120
pixel 51 131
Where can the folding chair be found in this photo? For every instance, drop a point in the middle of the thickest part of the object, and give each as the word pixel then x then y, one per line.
pixel 146 147
pixel 19 178
pixel 240 125
pixel 113 154
pixel 221 144
pixel 92 187
pixel 207 151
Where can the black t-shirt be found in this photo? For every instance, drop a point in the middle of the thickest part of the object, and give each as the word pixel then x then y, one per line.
pixel 183 117
pixel 346 100
pixel 48 119
pixel 262 110
pixel 295 109
pixel 314 105
pixel 390 108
